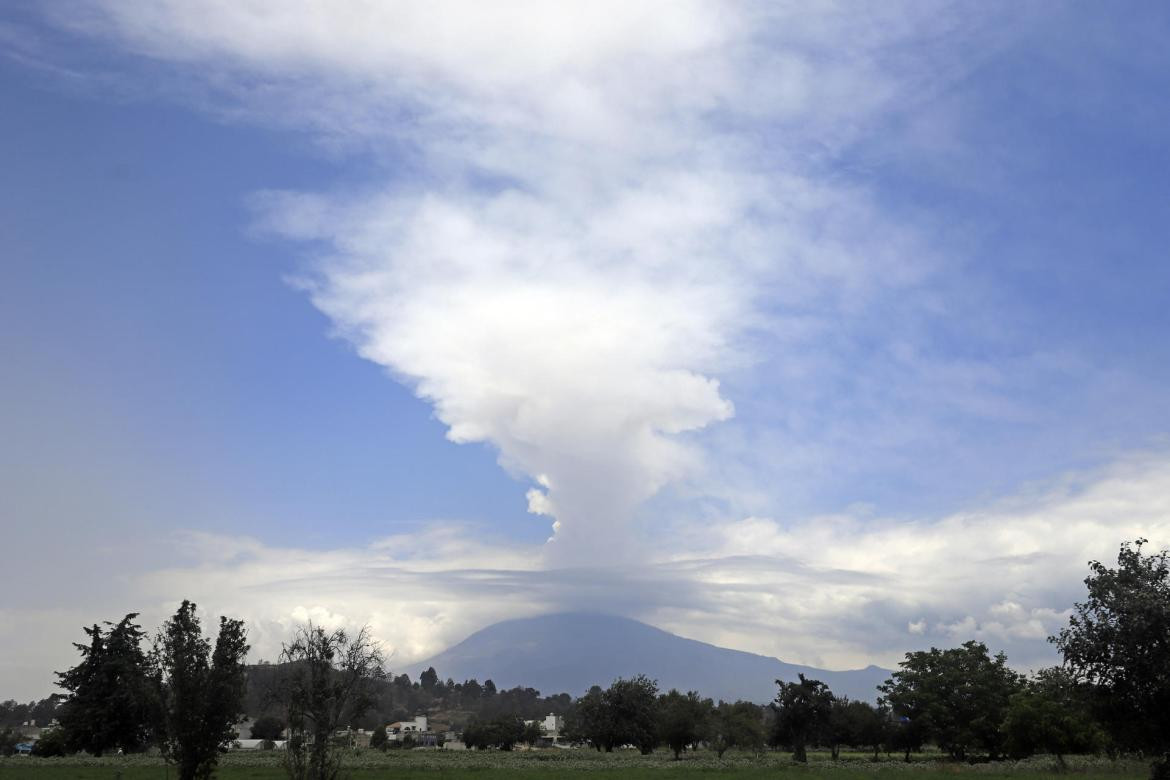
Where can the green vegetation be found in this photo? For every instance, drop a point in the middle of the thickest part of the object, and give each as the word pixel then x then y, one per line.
pixel 621 764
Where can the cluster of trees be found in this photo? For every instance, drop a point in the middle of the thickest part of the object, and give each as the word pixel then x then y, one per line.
pixel 13 713
pixel 502 732
pixel 1111 693
pixel 183 693
pixel 397 697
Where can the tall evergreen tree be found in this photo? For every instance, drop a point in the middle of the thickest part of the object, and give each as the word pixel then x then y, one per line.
pixel 202 691
pixel 111 704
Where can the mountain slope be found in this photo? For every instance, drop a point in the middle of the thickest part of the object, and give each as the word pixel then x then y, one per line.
pixel 570 652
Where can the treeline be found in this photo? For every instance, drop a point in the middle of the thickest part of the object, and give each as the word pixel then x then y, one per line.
pixel 184 693
pixel 961 700
pixel 397 698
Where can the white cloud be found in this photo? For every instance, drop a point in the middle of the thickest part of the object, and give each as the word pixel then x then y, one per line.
pixel 606 206
pixel 828 592
pixel 587 216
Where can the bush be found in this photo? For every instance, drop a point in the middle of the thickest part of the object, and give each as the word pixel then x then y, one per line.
pixel 51 743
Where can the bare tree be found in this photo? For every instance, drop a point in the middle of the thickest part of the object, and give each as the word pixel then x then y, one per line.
pixel 329 681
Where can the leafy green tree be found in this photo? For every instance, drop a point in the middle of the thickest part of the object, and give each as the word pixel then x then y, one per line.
pixel 873 728
pixel 1118 641
pixel 502 733
pixel 111 703
pixel 268 727
pixel 738 725
pixel 591 721
pixel 853 723
pixel 379 738
pixel 1052 715
pixel 631 706
pixel 839 730
pixel 956 697
pixel 51 743
pixel 429 679
pixel 330 680
pixel 802 713
pixel 683 719
pixel 533 733
pixel 202 689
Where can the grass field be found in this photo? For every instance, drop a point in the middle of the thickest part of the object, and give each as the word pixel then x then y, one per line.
pixel 583 765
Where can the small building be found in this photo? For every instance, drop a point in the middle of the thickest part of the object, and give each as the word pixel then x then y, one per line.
pixel 31 731
pixel 552 726
pixel 416 729
pixel 419 724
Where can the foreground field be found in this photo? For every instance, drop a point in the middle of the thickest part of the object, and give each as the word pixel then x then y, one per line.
pixel 580 764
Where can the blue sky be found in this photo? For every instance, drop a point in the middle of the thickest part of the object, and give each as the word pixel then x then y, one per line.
pixel 301 312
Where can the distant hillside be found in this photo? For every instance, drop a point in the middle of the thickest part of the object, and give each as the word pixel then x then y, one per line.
pixel 570 652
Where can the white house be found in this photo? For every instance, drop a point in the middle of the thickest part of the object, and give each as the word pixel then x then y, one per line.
pixel 552 725
pixel 400 728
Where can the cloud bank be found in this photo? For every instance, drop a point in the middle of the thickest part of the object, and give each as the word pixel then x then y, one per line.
pixel 1006 573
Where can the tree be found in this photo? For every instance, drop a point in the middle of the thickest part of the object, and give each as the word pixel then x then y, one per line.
pixel 51 743
pixel 268 727
pixel 591 721
pixel 503 733
pixel 872 728
pixel 379 738
pixel 533 733
pixel 1119 642
pixel 111 703
pixel 682 719
pixel 737 725
pixel 631 708
pixel 856 724
pixel 9 739
pixel 1051 715
pixel 201 689
pixel 957 697
pixel 429 679
pixel 839 729
pixel 330 681
pixel 802 712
